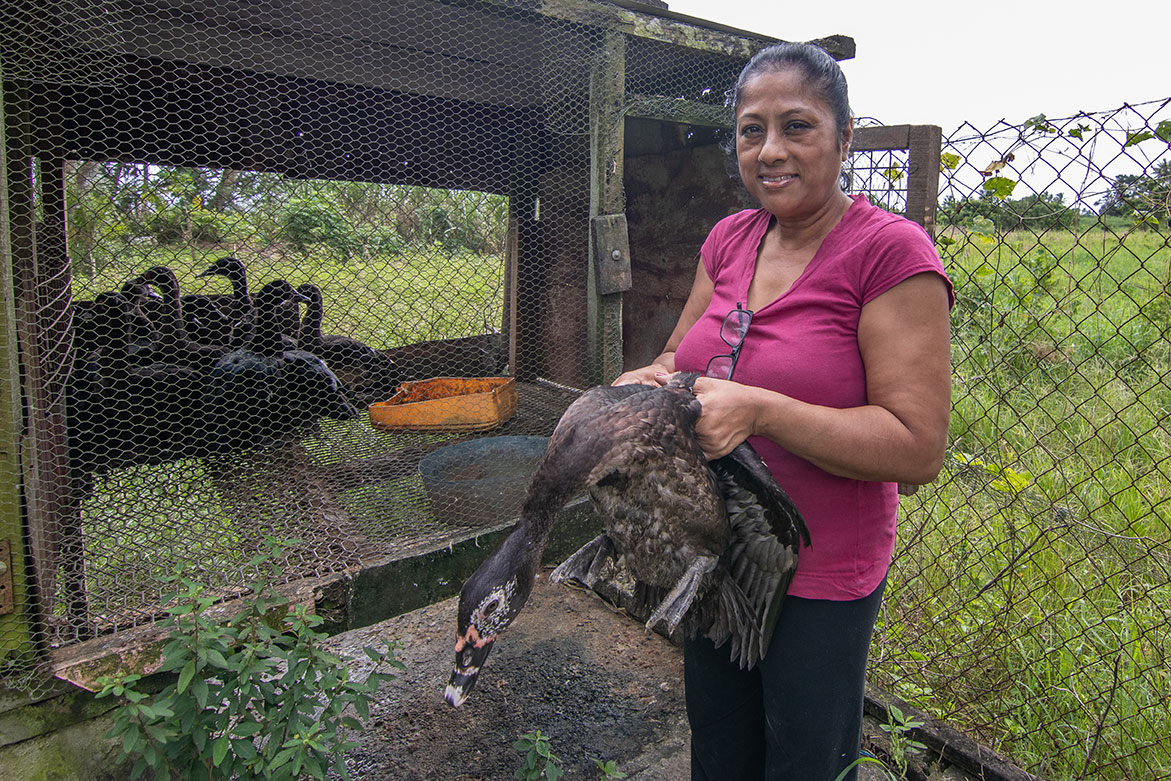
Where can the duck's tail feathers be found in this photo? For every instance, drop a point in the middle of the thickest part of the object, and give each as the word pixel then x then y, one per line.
pixel 735 621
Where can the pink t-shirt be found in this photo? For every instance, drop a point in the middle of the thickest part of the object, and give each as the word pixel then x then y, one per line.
pixel 804 344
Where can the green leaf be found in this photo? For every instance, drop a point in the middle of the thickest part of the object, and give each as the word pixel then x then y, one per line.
pixel 999 186
pixel 216 658
pixel 1040 123
pixel 949 161
pixel 186 676
pixel 219 749
pixel 893 174
pixel 199 691
pixel 1137 138
pixel 246 728
pixel 1163 130
pixel 1010 481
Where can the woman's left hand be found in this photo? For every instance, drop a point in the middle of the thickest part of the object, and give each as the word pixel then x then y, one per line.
pixel 729 414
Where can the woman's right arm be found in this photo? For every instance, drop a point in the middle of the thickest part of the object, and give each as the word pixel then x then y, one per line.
pixel 697 301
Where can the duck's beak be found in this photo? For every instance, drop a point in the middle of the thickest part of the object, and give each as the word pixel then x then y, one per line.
pixel 469 658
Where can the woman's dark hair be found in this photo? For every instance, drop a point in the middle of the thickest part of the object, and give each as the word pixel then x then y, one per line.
pixel 821 71
pixel 822 74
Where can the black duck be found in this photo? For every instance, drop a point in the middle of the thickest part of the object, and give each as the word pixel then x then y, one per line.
pixel 118 414
pixel 258 394
pixel 711 545
pixel 218 318
pixel 171 343
pixel 366 374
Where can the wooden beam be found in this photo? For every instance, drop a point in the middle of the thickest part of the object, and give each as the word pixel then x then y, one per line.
pixel 923 144
pixel 680 110
pixel 607 102
pixel 409 56
pixel 926 144
pixel 345 600
pixel 16 626
pixel 686 31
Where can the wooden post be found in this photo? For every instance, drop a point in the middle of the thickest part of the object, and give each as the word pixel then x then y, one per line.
pixel 16 624
pixel 607 121
pixel 527 262
pixel 42 305
pixel 925 144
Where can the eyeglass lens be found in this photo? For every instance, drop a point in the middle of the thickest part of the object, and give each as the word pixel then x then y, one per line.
pixel 735 326
pixel 732 331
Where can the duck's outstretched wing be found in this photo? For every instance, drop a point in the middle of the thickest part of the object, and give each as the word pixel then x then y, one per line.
pixel 767 532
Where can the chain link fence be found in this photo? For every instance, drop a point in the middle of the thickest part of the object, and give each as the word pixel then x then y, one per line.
pixel 1028 604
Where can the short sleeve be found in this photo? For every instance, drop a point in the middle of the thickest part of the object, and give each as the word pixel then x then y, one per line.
pixel 899 250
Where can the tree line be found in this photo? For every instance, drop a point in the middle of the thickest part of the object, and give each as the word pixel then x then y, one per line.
pixel 110 204
pixel 1142 199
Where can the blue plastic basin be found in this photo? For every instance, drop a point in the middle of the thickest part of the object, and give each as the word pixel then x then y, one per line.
pixel 481 482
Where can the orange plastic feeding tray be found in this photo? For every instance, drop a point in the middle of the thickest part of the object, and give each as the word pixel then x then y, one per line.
pixel 447 404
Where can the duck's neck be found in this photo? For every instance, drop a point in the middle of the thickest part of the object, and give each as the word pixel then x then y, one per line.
pixel 311 326
pixel 548 492
pixel 266 335
pixel 172 327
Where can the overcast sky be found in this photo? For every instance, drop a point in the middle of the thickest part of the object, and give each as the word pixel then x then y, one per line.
pixel 944 62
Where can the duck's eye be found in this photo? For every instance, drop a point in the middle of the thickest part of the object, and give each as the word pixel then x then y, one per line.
pixel 491 607
pixel 465 657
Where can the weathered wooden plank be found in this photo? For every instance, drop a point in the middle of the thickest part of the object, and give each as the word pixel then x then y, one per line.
pixel 873 139
pixel 16 626
pixel 345 600
pixel 680 110
pixel 923 144
pixel 607 126
pixel 926 142
pixel 326 58
pixel 668 27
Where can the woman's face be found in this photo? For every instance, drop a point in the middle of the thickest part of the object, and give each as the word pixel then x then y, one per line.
pixel 787 145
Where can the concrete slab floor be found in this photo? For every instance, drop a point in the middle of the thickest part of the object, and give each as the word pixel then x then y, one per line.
pixel 589 677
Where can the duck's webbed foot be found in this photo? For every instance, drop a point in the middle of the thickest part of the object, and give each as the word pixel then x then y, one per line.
pixel 586 564
pixel 676 604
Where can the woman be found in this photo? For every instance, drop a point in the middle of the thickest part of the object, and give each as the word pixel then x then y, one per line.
pixel 821 324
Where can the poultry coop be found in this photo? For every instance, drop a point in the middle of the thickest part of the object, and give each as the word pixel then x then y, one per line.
pixel 229 228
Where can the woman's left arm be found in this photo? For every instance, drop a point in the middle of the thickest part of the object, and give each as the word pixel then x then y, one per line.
pixel 900 435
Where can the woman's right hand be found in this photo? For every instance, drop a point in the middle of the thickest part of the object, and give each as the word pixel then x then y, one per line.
pixel 647 375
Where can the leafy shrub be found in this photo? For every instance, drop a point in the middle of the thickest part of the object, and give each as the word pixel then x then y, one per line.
pixel 258 697
pixel 539 760
pixel 311 222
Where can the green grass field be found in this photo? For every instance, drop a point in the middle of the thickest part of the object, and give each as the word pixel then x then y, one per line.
pixel 1029 604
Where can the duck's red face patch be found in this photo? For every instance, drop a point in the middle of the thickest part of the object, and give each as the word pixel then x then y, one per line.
pixel 472 638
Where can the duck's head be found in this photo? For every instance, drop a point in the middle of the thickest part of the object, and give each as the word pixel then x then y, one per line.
pixel 232 268
pixel 489 601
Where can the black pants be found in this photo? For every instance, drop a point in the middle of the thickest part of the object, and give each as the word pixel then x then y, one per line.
pixel 797 716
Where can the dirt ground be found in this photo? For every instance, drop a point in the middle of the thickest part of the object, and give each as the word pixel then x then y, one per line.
pixel 591 679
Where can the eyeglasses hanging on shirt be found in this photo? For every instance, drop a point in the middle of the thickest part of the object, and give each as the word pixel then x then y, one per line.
pixel 732 331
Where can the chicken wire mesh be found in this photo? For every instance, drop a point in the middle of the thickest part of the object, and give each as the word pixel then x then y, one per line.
pixel 425 167
pixel 233 226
